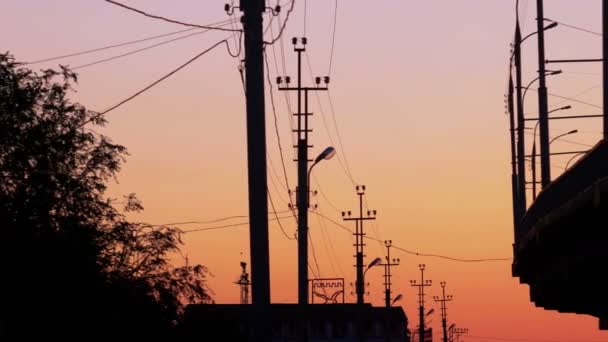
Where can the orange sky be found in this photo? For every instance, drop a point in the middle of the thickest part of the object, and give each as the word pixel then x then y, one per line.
pixel 417 88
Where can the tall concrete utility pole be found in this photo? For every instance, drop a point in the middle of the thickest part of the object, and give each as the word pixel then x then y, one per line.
pixel 302 192
pixel 543 106
pixel 256 166
pixel 359 243
pixel 423 283
pixel 444 310
pixel 388 263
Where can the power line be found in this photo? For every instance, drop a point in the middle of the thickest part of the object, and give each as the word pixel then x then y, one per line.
pixel 324 196
pixel 414 252
pixel 570 99
pixel 136 51
pixel 331 251
pixel 229 225
pixel 169 20
pixel 108 47
pixel 276 128
pixel 314 253
pixel 329 135
pixel 277 217
pixel 274 40
pixel 210 221
pixel 574 27
pixel 304 17
pixel 99 115
pixel 333 38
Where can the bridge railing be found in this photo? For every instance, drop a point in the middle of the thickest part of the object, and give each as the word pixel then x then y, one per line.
pixel 590 168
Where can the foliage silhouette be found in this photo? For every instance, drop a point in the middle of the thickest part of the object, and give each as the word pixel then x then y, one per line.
pixel 73 265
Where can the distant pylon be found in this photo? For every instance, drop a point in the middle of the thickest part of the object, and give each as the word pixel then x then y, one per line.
pixel 444 310
pixel 244 283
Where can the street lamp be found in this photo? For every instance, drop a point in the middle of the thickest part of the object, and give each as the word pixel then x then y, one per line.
pixel 374 262
pixel 398 298
pixel 327 154
pixel 548 73
pixel 571 159
pixel 534 149
pixel 520 178
pixel 574 131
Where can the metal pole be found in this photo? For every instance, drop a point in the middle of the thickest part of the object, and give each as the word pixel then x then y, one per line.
pixel 302 199
pixel 514 185
pixel 360 282
pixel 605 63
pixel 444 318
pixel 543 114
pixel 521 162
pixel 421 333
pixel 256 162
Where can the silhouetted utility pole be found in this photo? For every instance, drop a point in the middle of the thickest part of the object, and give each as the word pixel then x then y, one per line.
pixel 543 111
pixel 423 283
pixel 256 162
pixel 359 244
pixel 444 310
pixel 521 162
pixel 244 283
pixel 460 331
pixel 387 272
pixel 605 63
pixel 302 131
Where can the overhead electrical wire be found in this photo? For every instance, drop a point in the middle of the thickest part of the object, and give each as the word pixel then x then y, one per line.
pixel 329 247
pixel 107 47
pixel 277 217
pixel 333 38
pixel 209 221
pixel 341 160
pixel 283 25
pixel 574 27
pixel 314 253
pixel 169 20
pixel 99 115
pixel 276 127
pixel 138 50
pixel 569 99
pixel 228 225
pixel 418 253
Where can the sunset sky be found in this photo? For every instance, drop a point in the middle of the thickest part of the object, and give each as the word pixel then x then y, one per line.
pixel 417 89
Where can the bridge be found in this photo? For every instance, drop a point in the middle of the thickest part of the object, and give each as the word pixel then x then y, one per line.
pixel 560 245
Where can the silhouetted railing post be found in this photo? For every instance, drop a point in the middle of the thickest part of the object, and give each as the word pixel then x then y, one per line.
pixel 605 63
pixel 543 111
pixel 521 161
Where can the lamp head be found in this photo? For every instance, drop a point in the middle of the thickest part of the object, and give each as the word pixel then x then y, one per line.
pixel 327 154
pixel 398 298
pixel 550 26
pixel 573 131
pixel 374 262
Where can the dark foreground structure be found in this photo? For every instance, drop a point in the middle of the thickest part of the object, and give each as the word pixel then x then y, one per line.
pixel 561 243
pixel 326 322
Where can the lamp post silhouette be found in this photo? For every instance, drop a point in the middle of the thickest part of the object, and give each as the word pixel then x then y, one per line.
pixel 397 298
pixel 374 262
pixel 520 179
pixel 533 162
pixel 423 283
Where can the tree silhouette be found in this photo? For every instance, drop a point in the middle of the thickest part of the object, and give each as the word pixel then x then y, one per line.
pixel 72 265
